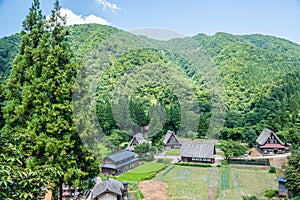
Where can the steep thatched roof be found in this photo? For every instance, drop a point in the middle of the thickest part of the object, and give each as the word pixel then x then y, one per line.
pixel 167 137
pixel 264 135
pixel 110 186
pixel 137 137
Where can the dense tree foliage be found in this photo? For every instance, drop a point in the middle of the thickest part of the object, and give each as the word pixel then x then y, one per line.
pixel 233 148
pixel 41 147
pixel 260 75
pixel 292 173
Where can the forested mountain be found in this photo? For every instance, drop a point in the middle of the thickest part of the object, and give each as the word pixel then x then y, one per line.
pixel 259 76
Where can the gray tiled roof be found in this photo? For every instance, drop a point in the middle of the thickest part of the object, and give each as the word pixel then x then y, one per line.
pixel 198 149
pixel 109 185
pixel 113 166
pixel 168 136
pixel 116 157
pixel 264 135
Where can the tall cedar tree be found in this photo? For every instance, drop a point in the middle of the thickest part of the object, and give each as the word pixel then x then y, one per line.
pixel 39 108
pixel 292 173
pixel 17 181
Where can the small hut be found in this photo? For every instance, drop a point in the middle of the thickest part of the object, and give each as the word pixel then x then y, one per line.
pixel 283 191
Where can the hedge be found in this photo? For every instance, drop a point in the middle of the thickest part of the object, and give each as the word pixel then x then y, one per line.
pixel 193 164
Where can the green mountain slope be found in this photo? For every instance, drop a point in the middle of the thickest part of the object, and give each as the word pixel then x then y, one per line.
pixel 260 75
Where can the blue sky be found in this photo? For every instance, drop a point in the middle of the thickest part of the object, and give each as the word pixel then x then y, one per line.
pixel 280 18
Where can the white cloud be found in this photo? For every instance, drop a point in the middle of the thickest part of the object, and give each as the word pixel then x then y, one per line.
pixel 72 18
pixel 105 4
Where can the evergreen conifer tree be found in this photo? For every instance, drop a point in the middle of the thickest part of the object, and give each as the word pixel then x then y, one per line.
pixel 39 112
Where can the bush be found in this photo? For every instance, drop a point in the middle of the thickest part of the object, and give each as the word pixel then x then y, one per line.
pixel 139 194
pixel 270 193
pixel 218 165
pixel 272 170
pixel 132 185
pixel 147 158
pixel 249 198
pixel 224 162
pixel 165 161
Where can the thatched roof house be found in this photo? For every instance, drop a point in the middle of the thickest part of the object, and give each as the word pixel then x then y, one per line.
pixel 110 189
pixel 171 141
pixel 136 139
pixel 269 143
pixel 198 152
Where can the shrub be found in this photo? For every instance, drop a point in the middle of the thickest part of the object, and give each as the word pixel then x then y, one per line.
pixel 193 164
pixel 160 160
pixel 272 170
pixel 147 158
pixel 139 194
pixel 270 193
pixel 132 185
pixel 224 162
pixel 249 198
pixel 218 165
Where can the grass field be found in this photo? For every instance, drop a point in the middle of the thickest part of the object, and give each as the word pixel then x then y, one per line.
pixel 148 169
pixel 231 183
pixel 173 152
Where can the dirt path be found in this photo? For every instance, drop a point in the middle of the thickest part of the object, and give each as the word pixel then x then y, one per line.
pixel 213 186
pixel 154 190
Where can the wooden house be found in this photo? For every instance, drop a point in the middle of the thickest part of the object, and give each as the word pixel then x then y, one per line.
pixel 136 139
pixel 202 152
pixel 110 189
pixel 171 141
pixel 120 162
pixel 269 143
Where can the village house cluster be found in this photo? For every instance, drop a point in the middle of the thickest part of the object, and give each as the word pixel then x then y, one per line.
pixel 267 143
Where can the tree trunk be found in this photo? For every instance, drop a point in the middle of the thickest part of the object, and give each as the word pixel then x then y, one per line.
pixel 60 190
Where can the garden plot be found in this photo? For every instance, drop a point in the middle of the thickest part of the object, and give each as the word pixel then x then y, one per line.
pixel 225 182
pixel 143 172
pixel 243 182
pixel 187 182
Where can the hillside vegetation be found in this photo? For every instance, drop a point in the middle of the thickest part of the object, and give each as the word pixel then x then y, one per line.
pixel 139 85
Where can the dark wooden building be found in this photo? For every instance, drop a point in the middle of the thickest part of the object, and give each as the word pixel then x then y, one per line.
pixel 120 162
pixel 110 189
pixel 136 139
pixel 269 143
pixel 171 141
pixel 202 152
pixel 283 191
